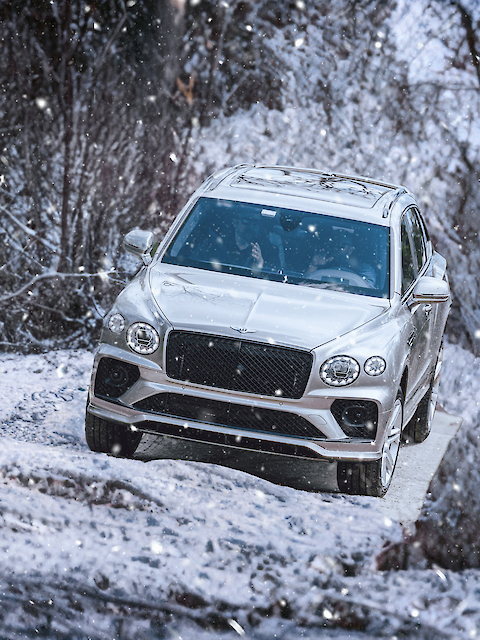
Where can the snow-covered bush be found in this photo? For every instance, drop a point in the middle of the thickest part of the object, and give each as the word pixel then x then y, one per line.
pixel 87 145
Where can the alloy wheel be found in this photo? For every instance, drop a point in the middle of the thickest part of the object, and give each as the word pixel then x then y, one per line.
pixel 392 443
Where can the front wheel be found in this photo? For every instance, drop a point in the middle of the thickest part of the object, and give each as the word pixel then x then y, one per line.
pixel 419 427
pixel 109 437
pixel 374 478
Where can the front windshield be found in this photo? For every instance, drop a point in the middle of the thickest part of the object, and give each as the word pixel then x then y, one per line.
pixel 295 247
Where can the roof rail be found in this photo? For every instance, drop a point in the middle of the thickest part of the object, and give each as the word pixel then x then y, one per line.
pixel 389 205
pixel 217 177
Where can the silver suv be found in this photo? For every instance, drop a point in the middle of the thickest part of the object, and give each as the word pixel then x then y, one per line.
pixel 288 311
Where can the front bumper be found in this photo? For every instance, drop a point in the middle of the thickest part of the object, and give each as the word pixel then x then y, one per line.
pixel 313 409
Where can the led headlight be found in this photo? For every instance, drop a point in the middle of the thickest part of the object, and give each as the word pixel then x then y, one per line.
pixel 339 371
pixel 116 323
pixel 142 338
pixel 375 366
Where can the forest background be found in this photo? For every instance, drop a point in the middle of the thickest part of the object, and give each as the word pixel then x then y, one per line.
pixel 113 111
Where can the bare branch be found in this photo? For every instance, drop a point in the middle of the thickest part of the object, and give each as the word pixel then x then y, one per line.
pixel 63 316
pixel 467 23
pixel 47 67
pixel 108 46
pixel 22 251
pixel 382 609
pixel 46 276
pixel 27 230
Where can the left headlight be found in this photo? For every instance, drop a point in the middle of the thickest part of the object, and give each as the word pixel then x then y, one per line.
pixel 339 371
pixel 142 338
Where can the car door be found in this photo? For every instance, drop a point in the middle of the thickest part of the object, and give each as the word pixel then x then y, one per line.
pixel 423 253
pixel 414 265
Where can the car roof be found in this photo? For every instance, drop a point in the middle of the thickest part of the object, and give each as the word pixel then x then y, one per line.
pixel 353 197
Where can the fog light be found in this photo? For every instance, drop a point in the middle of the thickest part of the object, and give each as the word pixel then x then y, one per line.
pixel 142 338
pixel 117 377
pixel 355 415
pixel 356 418
pixel 114 377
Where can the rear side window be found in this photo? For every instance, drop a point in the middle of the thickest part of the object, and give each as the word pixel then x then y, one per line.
pixel 408 269
pixel 419 240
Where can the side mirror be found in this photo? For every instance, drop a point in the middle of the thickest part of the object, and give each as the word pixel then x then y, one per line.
pixel 140 243
pixel 429 290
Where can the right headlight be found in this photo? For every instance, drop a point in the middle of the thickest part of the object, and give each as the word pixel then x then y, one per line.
pixel 142 338
pixel 339 371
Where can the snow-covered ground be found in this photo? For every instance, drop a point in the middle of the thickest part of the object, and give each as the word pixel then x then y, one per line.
pixel 98 547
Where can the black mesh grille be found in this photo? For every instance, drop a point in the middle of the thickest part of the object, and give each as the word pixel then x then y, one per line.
pixel 227 414
pixel 114 377
pixel 225 439
pixel 239 365
pixel 357 418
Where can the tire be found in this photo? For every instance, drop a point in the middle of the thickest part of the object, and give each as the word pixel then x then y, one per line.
pixel 420 425
pixel 374 478
pixel 109 437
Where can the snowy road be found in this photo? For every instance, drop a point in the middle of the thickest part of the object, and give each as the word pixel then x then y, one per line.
pixel 415 468
pixel 98 547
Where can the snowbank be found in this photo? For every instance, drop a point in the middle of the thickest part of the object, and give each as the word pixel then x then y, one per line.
pixel 446 533
pixel 100 547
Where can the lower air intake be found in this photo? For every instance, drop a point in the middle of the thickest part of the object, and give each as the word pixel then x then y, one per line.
pixel 114 377
pixel 227 414
pixel 356 418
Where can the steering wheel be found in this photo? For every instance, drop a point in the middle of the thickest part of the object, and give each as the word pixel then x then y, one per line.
pixel 349 277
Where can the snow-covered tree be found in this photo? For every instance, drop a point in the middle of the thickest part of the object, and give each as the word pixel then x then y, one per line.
pixel 88 130
pixel 113 112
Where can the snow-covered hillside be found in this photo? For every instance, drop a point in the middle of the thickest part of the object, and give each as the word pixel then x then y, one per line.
pixel 162 93
pixel 99 547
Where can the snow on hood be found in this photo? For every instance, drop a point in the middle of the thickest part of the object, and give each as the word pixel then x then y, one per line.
pixel 298 316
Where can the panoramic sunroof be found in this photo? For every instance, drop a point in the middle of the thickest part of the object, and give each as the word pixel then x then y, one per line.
pixel 324 186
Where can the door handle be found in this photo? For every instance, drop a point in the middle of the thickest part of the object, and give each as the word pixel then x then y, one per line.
pixel 427 308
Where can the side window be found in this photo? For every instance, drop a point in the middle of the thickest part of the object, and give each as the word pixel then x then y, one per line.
pixel 408 270
pixel 419 240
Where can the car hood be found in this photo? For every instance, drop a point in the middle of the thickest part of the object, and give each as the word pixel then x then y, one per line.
pixel 261 310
